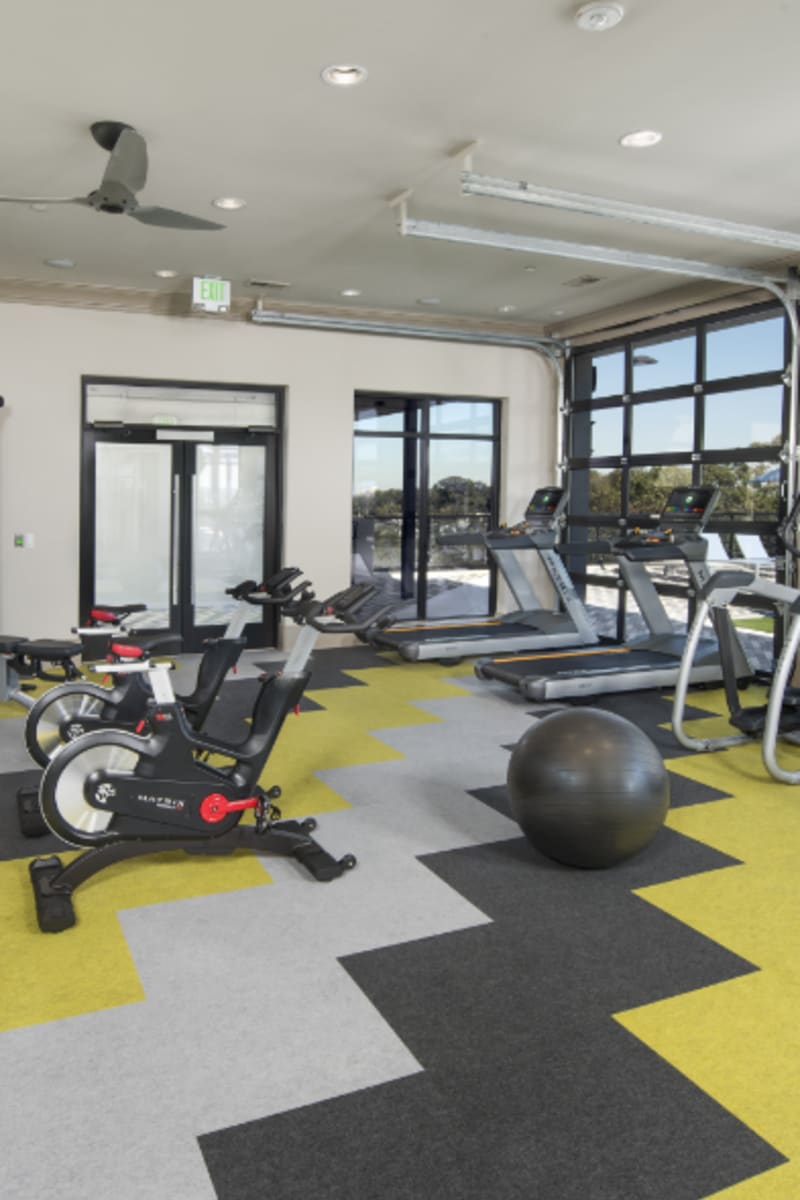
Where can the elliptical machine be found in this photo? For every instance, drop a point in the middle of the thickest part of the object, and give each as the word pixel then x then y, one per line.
pixel 124 795
pixel 778 720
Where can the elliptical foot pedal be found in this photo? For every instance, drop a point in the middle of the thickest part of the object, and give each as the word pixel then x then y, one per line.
pixel 31 822
pixel 54 908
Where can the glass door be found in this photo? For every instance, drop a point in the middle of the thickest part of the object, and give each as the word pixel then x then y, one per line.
pixel 384 521
pixel 459 511
pixel 172 521
pixel 425 482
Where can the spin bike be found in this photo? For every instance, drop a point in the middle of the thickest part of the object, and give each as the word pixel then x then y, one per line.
pixel 67 712
pixel 123 795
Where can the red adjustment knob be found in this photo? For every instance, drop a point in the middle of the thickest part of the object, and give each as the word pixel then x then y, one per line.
pixel 215 807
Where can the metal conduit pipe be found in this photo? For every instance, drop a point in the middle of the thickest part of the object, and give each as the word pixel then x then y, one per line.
pixel 548 346
pixel 552 349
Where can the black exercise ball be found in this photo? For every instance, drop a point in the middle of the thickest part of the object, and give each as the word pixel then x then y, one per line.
pixel 587 787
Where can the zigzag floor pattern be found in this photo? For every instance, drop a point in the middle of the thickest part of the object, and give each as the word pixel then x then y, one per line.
pixel 740 1040
pixel 168 963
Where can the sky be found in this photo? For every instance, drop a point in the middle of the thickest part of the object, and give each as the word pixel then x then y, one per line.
pixel 732 418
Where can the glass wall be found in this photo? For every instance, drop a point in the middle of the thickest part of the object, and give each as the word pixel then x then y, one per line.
pixel 425 473
pixel 706 402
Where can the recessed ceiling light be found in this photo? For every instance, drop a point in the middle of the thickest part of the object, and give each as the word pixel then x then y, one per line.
pixel 228 202
pixel 507 308
pixel 429 300
pixel 640 139
pixel 530 268
pixel 344 75
pixel 350 292
pixel 63 263
pixel 39 207
pixel 598 17
pixel 165 273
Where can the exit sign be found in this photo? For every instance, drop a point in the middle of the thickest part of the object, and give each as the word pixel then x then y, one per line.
pixel 210 295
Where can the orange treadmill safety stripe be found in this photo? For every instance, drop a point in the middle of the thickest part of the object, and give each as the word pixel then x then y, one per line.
pixel 564 654
pixel 423 628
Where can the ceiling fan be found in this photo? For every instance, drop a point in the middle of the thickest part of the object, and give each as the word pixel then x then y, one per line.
pixel 124 176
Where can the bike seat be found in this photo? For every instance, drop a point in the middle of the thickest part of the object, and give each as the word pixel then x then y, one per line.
pixel 30 655
pixel 109 614
pixel 8 644
pixel 45 650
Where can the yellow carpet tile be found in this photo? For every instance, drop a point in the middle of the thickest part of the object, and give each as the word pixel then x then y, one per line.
pixel 740 1040
pixel 88 968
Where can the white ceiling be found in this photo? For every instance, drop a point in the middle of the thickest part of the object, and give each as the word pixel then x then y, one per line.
pixel 230 101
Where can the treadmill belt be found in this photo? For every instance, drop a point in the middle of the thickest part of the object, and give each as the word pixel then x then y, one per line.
pixel 453 633
pixel 576 662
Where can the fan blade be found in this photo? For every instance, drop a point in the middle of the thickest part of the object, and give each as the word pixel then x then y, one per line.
pixel 171 219
pixel 43 200
pixel 127 165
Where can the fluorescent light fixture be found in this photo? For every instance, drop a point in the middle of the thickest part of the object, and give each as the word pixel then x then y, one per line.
pixel 63 263
pixel 601 206
pixel 507 308
pixel 640 139
pixel 598 17
pixel 350 292
pixel 429 300
pixel 229 202
pixel 165 273
pixel 344 75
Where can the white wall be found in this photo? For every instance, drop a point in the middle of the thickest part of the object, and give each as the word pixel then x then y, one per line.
pixel 45 350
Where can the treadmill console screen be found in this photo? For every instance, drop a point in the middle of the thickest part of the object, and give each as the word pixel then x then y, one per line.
pixel 688 506
pixel 547 503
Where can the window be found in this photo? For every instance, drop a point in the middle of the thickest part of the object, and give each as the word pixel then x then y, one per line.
pixel 705 402
pixel 424 476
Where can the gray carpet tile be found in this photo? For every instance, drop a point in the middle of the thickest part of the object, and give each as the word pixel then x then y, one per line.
pixel 530 1088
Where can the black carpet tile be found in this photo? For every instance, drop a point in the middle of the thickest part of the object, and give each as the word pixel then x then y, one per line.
pixel 683 792
pixel 651 711
pixel 12 842
pixel 529 1089
pixel 328 667
pixel 228 719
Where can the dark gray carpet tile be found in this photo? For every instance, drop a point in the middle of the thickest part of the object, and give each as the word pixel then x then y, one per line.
pixel 409 1140
pixel 12 842
pixel 228 719
pixel 328 667
pixel 651 711
pixel 529 1087
pixel 683 792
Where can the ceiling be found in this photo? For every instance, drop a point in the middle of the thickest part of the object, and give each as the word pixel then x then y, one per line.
pixel 230 101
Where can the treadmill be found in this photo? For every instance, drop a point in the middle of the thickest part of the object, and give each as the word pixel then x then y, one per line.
pixel 652 661
pixel 531 626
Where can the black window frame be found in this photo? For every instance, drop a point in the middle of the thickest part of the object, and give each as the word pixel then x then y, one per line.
pixel 417 436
